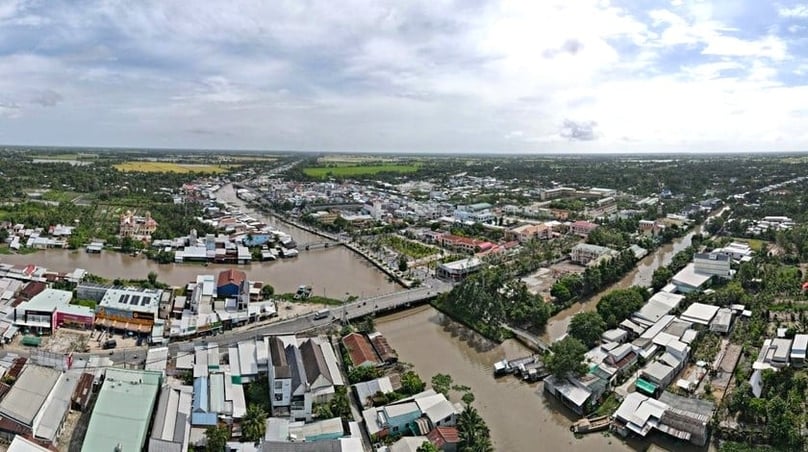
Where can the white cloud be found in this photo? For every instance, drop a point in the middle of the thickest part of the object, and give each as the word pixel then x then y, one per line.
pixel 799 11
pixel 448 75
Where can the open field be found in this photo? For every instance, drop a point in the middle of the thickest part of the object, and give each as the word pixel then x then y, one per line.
pixel 755 244
pixel 170 167
pixel 348 171
pixel 354 159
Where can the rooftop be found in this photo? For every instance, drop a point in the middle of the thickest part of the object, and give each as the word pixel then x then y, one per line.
pixel 122 411
pixel 700 313
pixel 231 276
pixel 28 394
pixel 140 300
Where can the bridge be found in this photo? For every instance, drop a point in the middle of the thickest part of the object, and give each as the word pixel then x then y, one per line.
pixel 530 340
pixel 341 205
pixel 317 245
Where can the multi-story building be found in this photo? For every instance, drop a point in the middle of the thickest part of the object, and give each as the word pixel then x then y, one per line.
pixel 584 253
pixel 129 309
pixel 137 227
pixel 582 228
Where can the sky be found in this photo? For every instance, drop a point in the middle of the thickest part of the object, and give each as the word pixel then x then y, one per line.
pixel 527 76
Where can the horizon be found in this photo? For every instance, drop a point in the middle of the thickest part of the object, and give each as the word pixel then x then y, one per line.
pixel 556 77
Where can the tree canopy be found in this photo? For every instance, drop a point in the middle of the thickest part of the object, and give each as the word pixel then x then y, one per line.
pixel 566 358
pixel 587 327
pixel 619 304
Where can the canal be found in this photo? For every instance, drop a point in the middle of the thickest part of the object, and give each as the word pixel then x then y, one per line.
pixel 332 272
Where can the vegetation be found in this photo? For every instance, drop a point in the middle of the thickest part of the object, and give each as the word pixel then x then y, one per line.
pixel 587 327
pixel 411 383
pixel 619 304
pixel 566 358
pixel 442 383
pixel 217 437
pixel 490 298
pixel 362 373
pixel 346 171
pixel 427 447
pixel 593 279
pixel 169 167
pixel 473 432
pixel 253 425
pixel 410 248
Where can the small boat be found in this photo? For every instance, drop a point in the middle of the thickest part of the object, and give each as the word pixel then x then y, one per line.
pixel 589 425
pixel 502 368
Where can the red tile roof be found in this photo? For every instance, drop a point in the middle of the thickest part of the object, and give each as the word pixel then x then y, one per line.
pixel 231 276
pixel 359 349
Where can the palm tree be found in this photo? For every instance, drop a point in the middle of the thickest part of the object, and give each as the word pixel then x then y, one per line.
pixel 253 425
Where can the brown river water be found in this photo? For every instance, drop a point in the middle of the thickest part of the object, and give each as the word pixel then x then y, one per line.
pixel 331 272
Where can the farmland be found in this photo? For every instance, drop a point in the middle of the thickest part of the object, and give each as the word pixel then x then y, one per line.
pixel 169 167
pixel 322 172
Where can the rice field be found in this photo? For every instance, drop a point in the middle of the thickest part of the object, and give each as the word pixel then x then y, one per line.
pixel 170 167
pixel 322 172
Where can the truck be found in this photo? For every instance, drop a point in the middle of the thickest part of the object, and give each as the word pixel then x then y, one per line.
pixel 321 314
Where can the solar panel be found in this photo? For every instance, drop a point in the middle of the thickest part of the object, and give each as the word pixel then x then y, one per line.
pixel 124 299
pixel 145 301
pixel 135 299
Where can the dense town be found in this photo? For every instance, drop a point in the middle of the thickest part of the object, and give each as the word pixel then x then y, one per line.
pixel 688 322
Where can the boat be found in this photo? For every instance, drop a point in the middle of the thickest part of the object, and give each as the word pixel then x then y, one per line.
pixel 303 292
pixel 589 425
pixel 502 368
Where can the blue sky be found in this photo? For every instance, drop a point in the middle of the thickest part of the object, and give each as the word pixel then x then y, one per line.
pixel 416 76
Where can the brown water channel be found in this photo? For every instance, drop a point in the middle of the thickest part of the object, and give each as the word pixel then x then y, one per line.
pixel 331 272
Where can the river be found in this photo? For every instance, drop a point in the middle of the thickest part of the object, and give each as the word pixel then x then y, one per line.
pixel 520 416
pixel 332 272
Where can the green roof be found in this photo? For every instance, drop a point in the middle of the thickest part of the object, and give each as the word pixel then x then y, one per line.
pixel 123 411
pixel 646 386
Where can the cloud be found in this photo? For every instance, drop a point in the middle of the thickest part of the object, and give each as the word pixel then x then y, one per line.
pixel 47 98
pixel 798 11
pixel 578 131
pixel 453 75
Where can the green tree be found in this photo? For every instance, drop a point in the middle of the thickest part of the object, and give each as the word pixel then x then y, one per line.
pixel 411 383
pixel 619 304
pixel 217 437
pixel 253 425
pixel 660 278
pixel 474 434
pixel 267 291
pixel 340 405
pixel 362 373
pixel 468 398
pixel 402 263
pixel 427 447
pixel 442 383
pixel 566 358
pixel 152 278
pixel 587 327
pixel 561 292
pixel 367 325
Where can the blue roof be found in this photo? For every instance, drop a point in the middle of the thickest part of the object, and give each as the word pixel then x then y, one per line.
pixel 200 395
pixel 255 240
pixel 205 419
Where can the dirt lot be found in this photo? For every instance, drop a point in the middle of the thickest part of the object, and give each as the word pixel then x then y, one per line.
pixel 542 280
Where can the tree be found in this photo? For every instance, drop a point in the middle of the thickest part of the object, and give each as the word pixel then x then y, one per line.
pixel 661 277
pixel 367 325
pixel 340 405
pixel 472 431
pixel 362 373
pixel 267 291
pixel 442 383
pixel 468 398
pixel 3 234
pixel 217 437
pixel 619 304
pixel 427 447
pixel 411 383
pixel 402 263
pixel 152 278
pixel 561 292
pixel 253 425
pixel 566 358
pixel 587 327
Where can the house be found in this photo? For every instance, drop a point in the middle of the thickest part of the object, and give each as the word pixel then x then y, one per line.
pixel 584 253
pixel 229 282
pixel 529 232
pixel 680 417
pixel 650 228
pixel 280 376
pixel 722 321
pixel 31 407
pixel 457 270
pixel 383 348
pixel 366 390
pixel 659 305
pixel 130 309
pixel 699 313
pixel 137 227
pixel 360 350
pixel 713 264
pixel 689 280
pixel 582 228
pixel 798 350
pixel 659 373
pixel 171 428
pixel 444 438
pixel 572 395
pixel 49 310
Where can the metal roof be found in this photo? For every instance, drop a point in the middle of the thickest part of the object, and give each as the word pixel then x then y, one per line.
pixel 26 397
pixel 57 406
pixel 123 410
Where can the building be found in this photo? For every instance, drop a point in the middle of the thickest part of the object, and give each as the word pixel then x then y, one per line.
pixel 681 417
pixel 584 253
pixel 280 376
pixel 123 411
pixel 20 444
pixel 713 264
pixel 689 280
pixel 529 232
pixel 137 227
pixel 129 309
pixel 23 406
pixel 457 270
pixel 383 348
pixel 722 321
pixel 229 282
pixel 360 350
pixel 700 314
pixel 49 310
pixel 798 350
pixel 582 228
pixel 603 207
pixel 650 228
pixel 367 390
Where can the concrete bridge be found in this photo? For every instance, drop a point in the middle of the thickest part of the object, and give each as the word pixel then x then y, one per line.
pixel 530 340
pixel 318 245
pixel 343 205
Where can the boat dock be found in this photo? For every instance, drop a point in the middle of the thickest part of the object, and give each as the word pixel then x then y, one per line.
pixel 529 368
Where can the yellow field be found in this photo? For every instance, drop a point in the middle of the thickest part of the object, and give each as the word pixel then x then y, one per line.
pixel 169 167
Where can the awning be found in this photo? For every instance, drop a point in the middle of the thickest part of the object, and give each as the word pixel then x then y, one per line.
pixel 646 386
pixel 32 341
pixel 11 332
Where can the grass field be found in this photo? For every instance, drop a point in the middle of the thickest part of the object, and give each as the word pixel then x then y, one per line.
pixel 364 170
pixel 755 244
pixel 169 167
